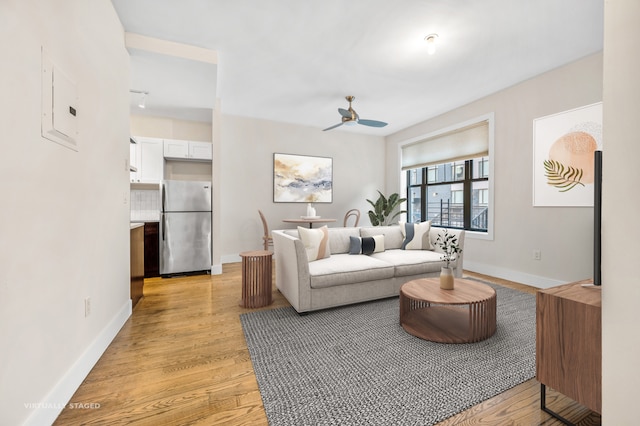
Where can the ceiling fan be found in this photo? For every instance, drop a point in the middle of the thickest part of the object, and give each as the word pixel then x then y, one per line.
pixel 349 117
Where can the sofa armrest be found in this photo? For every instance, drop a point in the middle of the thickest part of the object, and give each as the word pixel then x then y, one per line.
pixel 292 270
pixel 460 233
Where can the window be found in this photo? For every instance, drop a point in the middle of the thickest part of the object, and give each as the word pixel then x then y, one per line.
pixel 444 202
pixel 448 177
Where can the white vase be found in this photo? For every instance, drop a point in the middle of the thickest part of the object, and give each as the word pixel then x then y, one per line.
pixel 311 211
pixel 446 278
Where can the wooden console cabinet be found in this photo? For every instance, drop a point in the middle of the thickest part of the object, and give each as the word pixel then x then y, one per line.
pixel 569 343
pixel 137 263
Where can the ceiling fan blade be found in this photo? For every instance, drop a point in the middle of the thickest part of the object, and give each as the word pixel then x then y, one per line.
pixel 333 127
pixel 372 123
pixel 344 112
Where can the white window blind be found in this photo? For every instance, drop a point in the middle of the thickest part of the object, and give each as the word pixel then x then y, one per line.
pixel 460 144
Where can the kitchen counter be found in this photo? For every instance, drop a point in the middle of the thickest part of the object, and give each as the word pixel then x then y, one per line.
pixel 135 225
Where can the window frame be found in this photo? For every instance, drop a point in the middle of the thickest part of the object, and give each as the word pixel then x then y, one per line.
pixel 404 186
pixel 461 190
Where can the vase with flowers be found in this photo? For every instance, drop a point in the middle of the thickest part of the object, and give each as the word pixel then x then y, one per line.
pixel 448 243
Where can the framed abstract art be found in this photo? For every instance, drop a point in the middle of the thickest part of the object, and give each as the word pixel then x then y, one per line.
pixel 302 179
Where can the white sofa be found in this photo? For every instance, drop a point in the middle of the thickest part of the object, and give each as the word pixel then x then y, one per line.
pixel 344 278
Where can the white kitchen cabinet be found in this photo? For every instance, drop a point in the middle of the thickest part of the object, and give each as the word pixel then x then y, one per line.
pixel 148 157
pixel 200 150
pixel 134 159
pixel 175 149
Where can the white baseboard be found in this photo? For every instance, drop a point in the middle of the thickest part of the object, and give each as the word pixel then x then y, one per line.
pixel 511 275
pixel 62 392
pixel 216 269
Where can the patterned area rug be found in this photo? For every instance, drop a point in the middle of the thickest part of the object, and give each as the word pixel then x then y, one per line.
pixel 355 365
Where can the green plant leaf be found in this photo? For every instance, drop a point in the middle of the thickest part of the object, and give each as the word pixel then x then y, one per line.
pixel 562 177
pixel 383 208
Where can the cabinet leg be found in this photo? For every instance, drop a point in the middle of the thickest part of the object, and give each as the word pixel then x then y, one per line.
pixel 543 406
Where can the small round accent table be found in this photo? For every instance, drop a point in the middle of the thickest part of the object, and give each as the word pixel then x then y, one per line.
pixel 256 279
pixel 463 315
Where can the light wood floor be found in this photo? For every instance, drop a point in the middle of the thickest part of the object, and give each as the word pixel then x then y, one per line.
pixel 181 359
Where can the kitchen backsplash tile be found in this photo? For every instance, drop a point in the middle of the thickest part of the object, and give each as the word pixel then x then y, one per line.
pixel 145 204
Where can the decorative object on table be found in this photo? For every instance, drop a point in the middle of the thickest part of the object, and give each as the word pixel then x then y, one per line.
pixel 412 381
pixel 311 212
pixel 350 117
pixel 352 213
pixel 302 179
pixel 450 249
pixel 384 209
pixel 563 146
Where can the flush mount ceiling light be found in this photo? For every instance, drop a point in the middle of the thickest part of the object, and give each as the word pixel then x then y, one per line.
pixel 431 40
pixel 143 97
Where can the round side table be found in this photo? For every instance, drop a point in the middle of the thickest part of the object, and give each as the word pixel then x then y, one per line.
pixel 256 278
pixel 465 314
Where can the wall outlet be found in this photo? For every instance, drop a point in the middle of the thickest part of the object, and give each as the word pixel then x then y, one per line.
pixel 537 254
pixel 87 307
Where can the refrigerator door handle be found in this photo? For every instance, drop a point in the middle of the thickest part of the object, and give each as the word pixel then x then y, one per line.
pixel 163 198
pixel 164 225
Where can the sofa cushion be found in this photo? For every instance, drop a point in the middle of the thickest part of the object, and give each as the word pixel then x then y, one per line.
pixel 291 232
pixel 412 262
pixel 342 269
pixel 316 242
pixel 340 239
pixel 392 235
pixel 366 245
pixel 416 236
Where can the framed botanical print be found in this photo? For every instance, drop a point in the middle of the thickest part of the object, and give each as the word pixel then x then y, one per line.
pixel 563 152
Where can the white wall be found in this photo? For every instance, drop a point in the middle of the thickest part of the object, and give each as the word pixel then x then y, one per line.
pixel 170 128
pixel 564 235
pixel 620 226
pixel 64 216
pixel 246 177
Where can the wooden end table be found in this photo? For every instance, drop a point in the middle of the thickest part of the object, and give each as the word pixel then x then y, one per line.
pixel 256 278
pixel 463 315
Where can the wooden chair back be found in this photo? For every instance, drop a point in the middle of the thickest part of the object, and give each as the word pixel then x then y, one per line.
pixel 353 212
pixel 267 240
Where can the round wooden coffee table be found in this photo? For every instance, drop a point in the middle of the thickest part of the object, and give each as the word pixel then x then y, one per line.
pixel 463 315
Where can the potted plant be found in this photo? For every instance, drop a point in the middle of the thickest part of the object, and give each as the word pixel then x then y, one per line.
pixel 383 209
pixel 450 248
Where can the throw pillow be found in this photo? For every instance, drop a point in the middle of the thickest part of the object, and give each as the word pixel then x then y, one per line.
pixel 366 245
pixel 316 242
pixel 416 236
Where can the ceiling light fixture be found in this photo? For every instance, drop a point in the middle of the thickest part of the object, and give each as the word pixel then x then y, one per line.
pixel 431 43
pixel 143 98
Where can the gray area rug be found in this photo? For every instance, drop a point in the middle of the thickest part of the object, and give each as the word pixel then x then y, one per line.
pixel 355 365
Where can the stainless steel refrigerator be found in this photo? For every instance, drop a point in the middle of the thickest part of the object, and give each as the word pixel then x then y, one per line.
pixel 185 227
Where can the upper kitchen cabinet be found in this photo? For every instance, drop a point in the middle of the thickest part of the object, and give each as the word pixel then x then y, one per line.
pixel 147 157
pixel 175 149
pixel 200 150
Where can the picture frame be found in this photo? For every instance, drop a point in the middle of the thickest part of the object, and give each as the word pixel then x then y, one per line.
pixel 563 146
pixel 302 179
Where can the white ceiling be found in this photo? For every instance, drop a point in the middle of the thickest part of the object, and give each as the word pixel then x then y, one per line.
pixel 294 61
